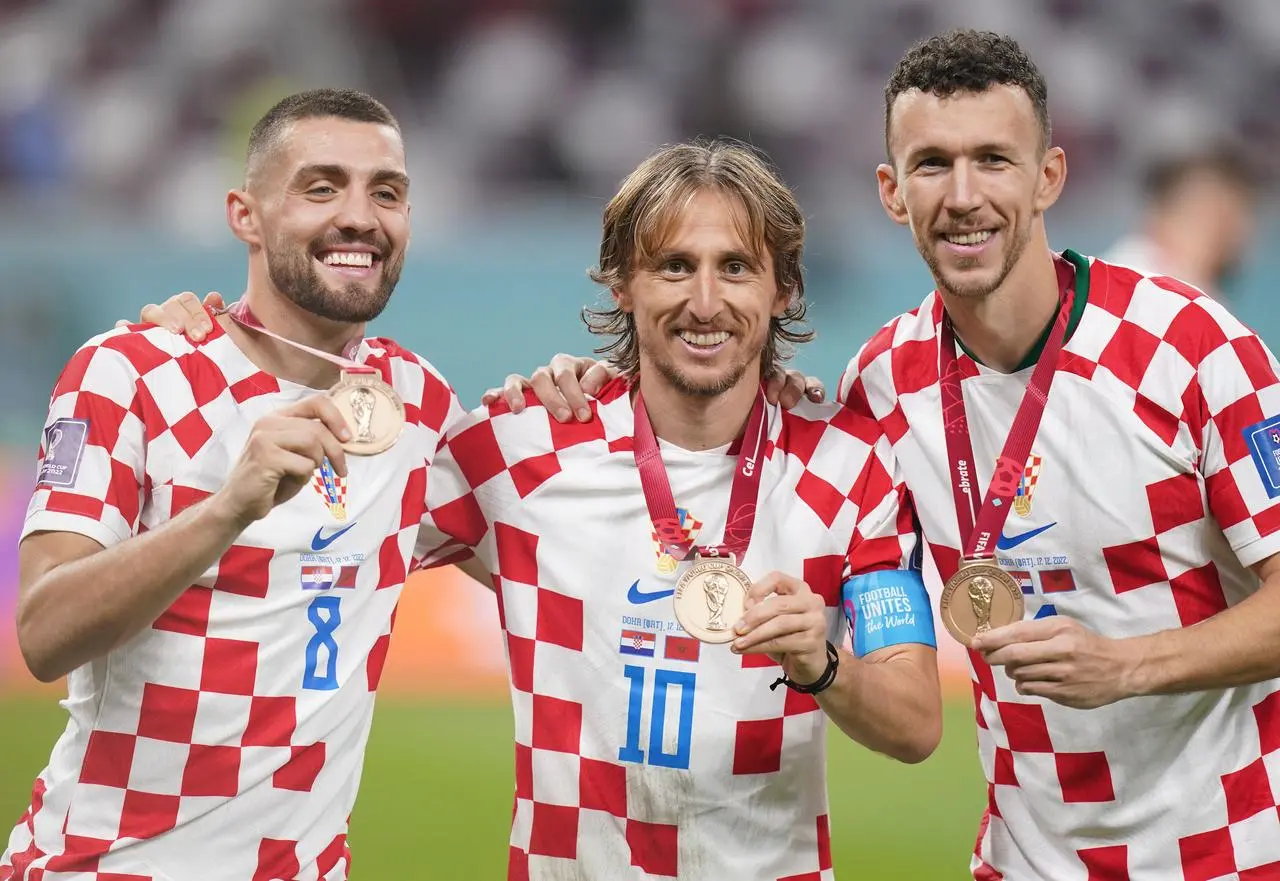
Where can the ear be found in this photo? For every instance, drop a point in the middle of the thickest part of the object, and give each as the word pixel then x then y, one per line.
pixel 242 217
pixel 891 194
pixel 782 301
pixel 622 299
pixel 1053 174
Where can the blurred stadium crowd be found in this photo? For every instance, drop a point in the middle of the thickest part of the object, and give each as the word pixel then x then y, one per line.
pixel 141 106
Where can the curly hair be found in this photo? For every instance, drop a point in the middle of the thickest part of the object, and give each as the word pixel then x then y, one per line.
pixel 969 61
pixel 643 214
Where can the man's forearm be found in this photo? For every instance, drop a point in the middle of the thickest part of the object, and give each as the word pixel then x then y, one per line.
pixel 79 610
pixel 1238 646
pixel 892 706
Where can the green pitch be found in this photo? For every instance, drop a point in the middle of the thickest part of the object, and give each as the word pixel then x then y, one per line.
pixel 435 803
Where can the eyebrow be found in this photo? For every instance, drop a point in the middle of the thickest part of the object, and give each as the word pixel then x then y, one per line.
pixel 339 173
pixel 980 149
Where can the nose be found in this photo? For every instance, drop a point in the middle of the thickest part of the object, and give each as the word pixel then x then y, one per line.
pixel 706 302
pixel 963 193
pixel 357 212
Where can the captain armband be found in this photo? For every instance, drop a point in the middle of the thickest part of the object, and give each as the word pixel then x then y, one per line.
pixel 889 607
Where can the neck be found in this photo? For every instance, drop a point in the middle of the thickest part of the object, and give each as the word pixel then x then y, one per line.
pixel 282 316
pixel 695 422
pixel 1001 328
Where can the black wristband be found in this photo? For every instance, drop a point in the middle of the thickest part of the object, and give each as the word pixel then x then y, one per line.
pixel 822 683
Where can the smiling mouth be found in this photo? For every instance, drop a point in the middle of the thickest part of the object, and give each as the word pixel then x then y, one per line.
pixel 349 259
pixel 977 237
pixel 708 340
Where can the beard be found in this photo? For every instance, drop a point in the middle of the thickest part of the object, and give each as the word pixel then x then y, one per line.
pixel 977 288
pixel 709 387
pixel 294 273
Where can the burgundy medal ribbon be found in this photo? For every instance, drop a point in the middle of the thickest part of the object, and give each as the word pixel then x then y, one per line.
pixel 742 494
pixel 980 525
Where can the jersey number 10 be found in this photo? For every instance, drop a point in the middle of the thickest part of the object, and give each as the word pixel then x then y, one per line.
pixel 664 684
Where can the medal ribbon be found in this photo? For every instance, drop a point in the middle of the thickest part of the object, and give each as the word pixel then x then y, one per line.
pixel 243 315
pixel 979 527
pixel 742 494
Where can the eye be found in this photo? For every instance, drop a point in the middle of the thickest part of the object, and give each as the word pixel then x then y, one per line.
pixel 931 162
pixel 387 196
pixel 321 190
pixel 736 267
pixel 674 267
pixel 994 159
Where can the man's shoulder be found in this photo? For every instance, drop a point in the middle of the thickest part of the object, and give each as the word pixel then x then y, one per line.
pixel 906 343
pixel 494 431
pixel 1161 309
pixel 427 395
pixel 135 353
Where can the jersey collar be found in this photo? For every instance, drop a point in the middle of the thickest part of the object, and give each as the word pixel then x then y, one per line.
pixel 1081 299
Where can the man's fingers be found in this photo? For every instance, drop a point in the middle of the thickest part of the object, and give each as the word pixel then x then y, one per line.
pixel 814 390
pixel 153 313
pixel 195 319
pixel 320 407
pixel 213 300
pixel 570 389
pixel 513 392
pixel 1019 631
pixel 544 386
pixel 773 384
pixel 597 377
pixel 793 389
pixel 1047 672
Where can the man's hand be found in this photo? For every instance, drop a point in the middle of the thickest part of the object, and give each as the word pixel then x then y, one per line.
pixel 283 451
pixel 564 385
pixel 181 313
pixel 787 387
pixel 1060 659
pixel 787 621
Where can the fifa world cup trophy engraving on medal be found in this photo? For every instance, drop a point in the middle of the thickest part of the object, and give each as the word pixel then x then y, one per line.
pixel 372 409
pixel 710 598
pixel 978 597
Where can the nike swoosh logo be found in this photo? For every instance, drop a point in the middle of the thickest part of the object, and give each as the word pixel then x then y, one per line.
pixel 637 597
pixel 1009 542
pixel 319 542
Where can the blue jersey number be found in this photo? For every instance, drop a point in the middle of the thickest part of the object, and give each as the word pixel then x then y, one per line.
pixel 321 673
pixel 665 682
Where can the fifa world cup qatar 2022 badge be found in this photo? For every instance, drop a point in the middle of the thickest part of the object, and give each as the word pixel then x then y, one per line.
pixel 710 598
pixel 372 409
pixel 978 597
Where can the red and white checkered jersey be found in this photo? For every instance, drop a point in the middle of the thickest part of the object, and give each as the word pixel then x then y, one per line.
pixel 1140 509
pixel 226 740
pixel 641 752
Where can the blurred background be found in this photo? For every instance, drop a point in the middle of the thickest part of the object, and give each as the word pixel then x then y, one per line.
pixel 123 123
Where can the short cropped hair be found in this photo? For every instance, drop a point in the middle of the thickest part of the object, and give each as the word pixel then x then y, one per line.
pixel 968 61
pixel 316 103
pixel 642 215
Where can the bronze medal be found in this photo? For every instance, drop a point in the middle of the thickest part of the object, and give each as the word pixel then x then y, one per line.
pixel 710 599
pixel 373 410
pixel 979 597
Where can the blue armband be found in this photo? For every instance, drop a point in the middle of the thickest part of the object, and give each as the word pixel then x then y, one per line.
pixel 889 607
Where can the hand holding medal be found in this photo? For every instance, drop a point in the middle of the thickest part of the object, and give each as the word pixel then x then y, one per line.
pixel 372 409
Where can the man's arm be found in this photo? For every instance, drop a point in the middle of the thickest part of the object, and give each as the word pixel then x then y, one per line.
pixel 889 700
pixel 78 601
pixel 1060 659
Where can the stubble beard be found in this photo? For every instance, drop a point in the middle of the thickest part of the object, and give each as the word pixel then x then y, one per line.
pixel 977 289
pixel 293 273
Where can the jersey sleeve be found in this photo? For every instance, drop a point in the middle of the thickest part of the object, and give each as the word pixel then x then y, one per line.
pixel 92 459
pixel 1233 408
pixel 468 487
pixel 886 535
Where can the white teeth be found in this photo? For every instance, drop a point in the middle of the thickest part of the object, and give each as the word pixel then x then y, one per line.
pixel 969 238
pixel 704 339
pixel 348 258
